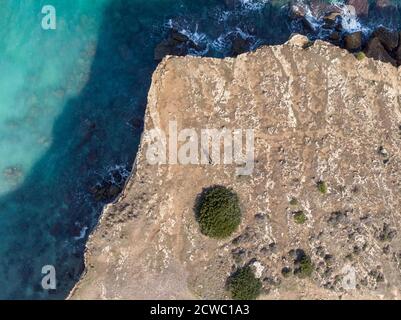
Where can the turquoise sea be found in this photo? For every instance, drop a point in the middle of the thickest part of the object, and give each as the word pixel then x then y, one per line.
pixel 71 108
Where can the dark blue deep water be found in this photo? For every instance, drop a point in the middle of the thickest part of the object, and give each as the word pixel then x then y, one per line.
pixel 72 102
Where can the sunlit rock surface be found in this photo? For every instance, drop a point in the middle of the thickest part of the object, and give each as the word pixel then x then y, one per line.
pixel 320 116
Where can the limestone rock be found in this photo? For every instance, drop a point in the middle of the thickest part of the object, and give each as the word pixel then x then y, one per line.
pixel 298 40
pixel 317 114
pixel 361 7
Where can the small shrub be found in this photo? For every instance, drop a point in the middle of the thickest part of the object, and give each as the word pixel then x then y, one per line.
pixel 360 55
pixel 294 202
pixel 306 267
pixel 322 187
pixel 300 217
pixel 243 284
pixel 218 212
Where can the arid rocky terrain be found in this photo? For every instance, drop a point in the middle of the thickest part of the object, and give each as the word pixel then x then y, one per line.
pixel 327 134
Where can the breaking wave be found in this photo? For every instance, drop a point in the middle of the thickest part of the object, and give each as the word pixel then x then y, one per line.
pixel 254 21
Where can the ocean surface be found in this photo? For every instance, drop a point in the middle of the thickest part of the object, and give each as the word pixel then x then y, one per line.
pixel 72 102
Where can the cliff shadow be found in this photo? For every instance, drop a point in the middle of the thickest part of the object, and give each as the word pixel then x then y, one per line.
pixel 47 220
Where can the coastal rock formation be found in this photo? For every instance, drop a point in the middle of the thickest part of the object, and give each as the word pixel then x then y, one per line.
pixel 325 186
pixel 329 23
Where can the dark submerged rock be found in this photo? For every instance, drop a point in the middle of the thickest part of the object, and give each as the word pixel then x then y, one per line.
pixel 176 44
pixel 389 39
pixel 105 191
pixel 331 19
pixel 376 50
pixel 240 45
pixel 353 41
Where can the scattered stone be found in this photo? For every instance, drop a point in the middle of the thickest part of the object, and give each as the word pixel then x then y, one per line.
pixel 239 254
pixel 328 258
pixel 260 217
pixel 297 254
pixel 242 238
pixel 337 218
pixel 239 45
pixel 386 233
pixel 376 275
pixel 270 281
pixel 320 251
pixel 361 7
pixel 318 7
pixel 375 50
pixel 389 39
pixel 353 41
pixel 335 37
pixel 258 269
pixel 386 249
pixel 357 250
pixel 273 247
pixel 331 19
pixel 286 272
pixel 383 152
pixel 298 40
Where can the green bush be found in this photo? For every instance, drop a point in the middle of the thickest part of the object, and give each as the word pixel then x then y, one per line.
pixel 360 55
pixel 322 187
pixel 218 212
pixel 294 201
pixel 306 267
pixel 243 284
pixel 300 217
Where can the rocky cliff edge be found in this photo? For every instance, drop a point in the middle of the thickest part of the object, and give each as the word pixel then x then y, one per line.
pixel 327 131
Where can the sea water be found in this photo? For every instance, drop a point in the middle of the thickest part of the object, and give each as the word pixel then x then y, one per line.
pixel 72 102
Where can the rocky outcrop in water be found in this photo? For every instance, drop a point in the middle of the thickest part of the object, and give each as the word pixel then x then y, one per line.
pixel 177 44
pixel 321 209
pixel 326 21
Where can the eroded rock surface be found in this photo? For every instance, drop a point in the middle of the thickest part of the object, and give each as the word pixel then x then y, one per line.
pixel 321 117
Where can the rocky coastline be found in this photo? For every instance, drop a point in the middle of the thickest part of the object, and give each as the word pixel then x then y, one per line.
pixel 339 24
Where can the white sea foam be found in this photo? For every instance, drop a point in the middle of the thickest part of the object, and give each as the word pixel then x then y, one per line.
pixel 350 20
pixel 82 234
pixel 208 41
pixel 254 4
